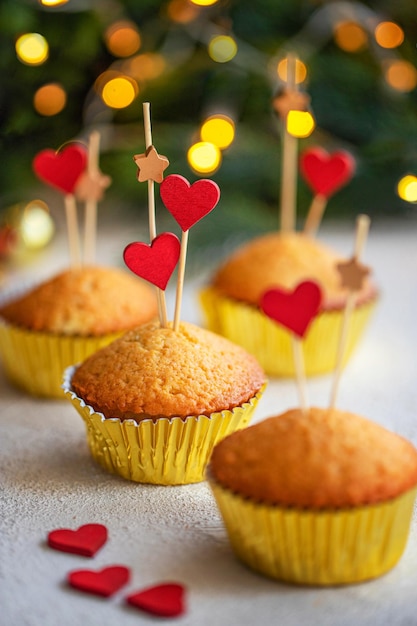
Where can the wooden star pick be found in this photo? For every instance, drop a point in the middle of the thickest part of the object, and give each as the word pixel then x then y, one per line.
pixel 290 100
pixel 91 186
pixel 151 165
pixel 352 274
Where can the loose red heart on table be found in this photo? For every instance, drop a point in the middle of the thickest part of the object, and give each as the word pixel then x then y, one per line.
pixel 326 173
pixel 85 541
pixel 61 169
pixel 293 309
pixel 154 262
pixel 188 203
pixel 164 600
pixel 102 583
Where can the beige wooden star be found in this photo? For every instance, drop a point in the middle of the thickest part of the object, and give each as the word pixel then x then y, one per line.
pixel 290 100
pixel 91 186
pixel 151 165
pixel 352 274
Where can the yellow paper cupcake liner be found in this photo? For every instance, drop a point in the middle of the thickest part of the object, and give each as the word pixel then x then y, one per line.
pixel 271 344
pixel 317 548
pixel 165 452
pixel 36 361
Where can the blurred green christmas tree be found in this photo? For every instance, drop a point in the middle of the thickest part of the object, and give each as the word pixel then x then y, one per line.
pixel 363 95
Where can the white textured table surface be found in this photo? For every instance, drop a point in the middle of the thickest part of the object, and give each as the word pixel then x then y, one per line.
pixel 49 481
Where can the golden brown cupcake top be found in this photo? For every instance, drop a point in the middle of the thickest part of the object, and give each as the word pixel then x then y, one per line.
pixel 283 260
pixel 321 459
pixel 88 301
pixel 158 372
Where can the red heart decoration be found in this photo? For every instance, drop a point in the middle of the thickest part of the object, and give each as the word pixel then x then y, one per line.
pixel 86 541
pixel 293 309
pixel 155 262
pixel 61 169
pixel 165 600
pixel 188 203
pixel 324 172
pixel 102 583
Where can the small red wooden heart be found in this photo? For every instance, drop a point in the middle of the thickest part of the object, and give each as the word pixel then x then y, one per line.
pixel 102 583
pixel 61 169
pixel 86 540
pixel 165 600
pixel 324 172
pixel 189 203
pixel 155 262
pixel 293 309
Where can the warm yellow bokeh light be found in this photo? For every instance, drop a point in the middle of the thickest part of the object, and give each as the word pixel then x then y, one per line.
pixel 222 48
pixel 401 75
pixel 204 157
pixel 122 39
pixel 146 66
pixel 119 92
pixel 350 36
pixel 407 188
pixel 32 49
pixel 50 99
pixel 182 11
pixel 52 3
pixel 300 71
pixel 300 123
pixel 36 226
pixel 218 129
pixel 389 35
pixel 204 3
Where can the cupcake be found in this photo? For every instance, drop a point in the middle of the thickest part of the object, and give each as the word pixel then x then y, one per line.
pixel 156 401
pixel 65 319
pixel 231 302
pixel 320 497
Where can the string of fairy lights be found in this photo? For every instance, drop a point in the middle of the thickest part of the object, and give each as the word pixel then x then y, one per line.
pixel 122 83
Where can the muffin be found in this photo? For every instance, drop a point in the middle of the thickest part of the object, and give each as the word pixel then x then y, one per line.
pixel 66 318
pixel 231 302
pixel 155 401
pixel 321 497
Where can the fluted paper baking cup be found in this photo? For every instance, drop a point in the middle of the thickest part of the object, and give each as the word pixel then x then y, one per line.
pixel 270 343
pixel 167 451
pixel 35 361
pixel 329 547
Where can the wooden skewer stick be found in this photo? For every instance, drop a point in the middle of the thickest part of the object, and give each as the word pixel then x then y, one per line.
pixel 315 214
pixel 180 278
pixel 72 230
pixel 289 161
pixel 298 356
pixel 151 212
pixel 362 229
pixel 90 225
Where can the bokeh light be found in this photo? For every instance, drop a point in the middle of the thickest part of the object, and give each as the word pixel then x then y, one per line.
pixel 204 157
pixel 36 226
pixel 219 130
pixel 147 66
pixel 204 3
pixel 122 39
pixel 52 3
pixel 182 11
pixel 32 49
pixel 50 99
pixel 300 70
pixel 407 188
pixel 300 123
pixel 389 35
pixel 350 36
pixel 119 92
pixel 401 75
pixel 222 48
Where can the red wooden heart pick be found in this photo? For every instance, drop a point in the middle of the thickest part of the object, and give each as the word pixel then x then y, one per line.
pixel 324 172
pixel 293 309
pixel 165 600
pixel 61 169
pixel 189 203
pixel 86 541
pixel 102 583
pixel 155 262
